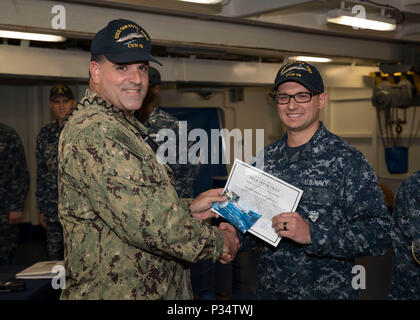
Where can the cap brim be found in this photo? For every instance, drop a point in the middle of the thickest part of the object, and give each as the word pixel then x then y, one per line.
pixel 60 95
pixel 129 57
pixel 294 79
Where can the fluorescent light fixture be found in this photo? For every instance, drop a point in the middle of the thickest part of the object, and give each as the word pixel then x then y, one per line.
pixel 310 59
pixel 345 18
pixel 204 1
pixel 31 36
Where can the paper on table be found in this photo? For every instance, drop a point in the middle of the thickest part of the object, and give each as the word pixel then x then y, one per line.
pixel 39 270
pixel 265 194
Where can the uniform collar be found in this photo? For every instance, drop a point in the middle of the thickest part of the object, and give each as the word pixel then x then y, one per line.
pixel 91 97
pixel 309 150
pixel 152 116
pixel 56 127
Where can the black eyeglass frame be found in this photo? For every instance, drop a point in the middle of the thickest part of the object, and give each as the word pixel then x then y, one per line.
pixel 311 94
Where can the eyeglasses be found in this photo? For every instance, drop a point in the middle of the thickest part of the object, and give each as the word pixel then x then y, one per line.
pixel 300 97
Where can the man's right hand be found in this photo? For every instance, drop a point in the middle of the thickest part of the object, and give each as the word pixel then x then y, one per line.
pixel 42 220
pixel 230 244
pixel 15 217
pixel 201 206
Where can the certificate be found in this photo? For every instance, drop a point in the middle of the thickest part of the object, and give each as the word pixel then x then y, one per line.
pixel 254 197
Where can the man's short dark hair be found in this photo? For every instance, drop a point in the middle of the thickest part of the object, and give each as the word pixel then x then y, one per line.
pixel 97 58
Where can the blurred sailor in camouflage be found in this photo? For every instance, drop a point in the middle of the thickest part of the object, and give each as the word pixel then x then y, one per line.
pixel 14 187
pixel 405 234
pixel 61 103
pixel 341 214
pixel 127 235
pixel 155 119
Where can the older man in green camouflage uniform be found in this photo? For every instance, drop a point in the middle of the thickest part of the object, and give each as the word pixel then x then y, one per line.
pixel 126 233
pixel 155 119
pixel 405 234
pixel 14 187
pixel 61 102
pixel 341 214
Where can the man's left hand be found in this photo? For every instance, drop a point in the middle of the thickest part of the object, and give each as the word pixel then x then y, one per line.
pixel 291 225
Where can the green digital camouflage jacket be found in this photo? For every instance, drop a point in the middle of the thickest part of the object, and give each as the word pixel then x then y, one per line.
pixel 126 233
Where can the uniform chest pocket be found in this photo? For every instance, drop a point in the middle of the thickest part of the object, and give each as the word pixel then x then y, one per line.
pixel 50 154
pixel 51 149
pixel 137 162
pixel 315 209
pixel 52 164
pixel 149 171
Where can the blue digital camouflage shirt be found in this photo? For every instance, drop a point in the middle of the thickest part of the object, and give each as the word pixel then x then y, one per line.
pixel 47 166
pixel 14 175
pixel 184 173
pixel 405 229
pixel 343 205
pixel 14 187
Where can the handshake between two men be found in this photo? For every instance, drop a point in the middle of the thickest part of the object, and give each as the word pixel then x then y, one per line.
pixel 201 209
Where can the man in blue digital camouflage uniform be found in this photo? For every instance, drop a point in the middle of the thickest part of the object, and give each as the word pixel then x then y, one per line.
pixel 405 234
pixel 14 187
pixel 341 214
pixel 61 103
pixel 156 119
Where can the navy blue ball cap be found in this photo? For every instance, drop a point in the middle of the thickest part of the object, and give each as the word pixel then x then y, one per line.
pixel 123 41
pixel 61 90
pixel 301 72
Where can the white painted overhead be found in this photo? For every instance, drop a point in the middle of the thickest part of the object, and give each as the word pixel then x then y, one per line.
pixel 178 28
pixel 263 31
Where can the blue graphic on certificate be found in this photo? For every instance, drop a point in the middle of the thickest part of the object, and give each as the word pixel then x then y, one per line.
pixel 236 211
